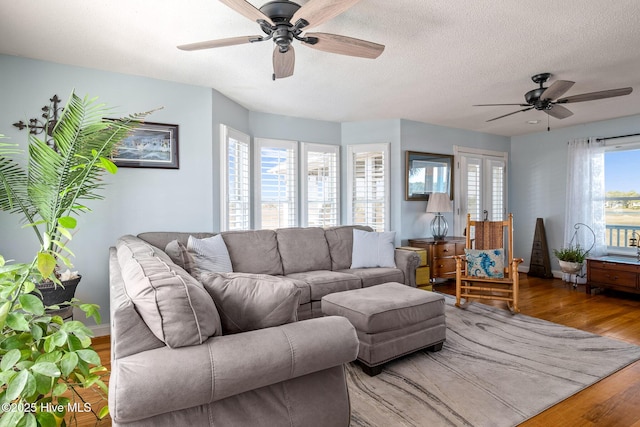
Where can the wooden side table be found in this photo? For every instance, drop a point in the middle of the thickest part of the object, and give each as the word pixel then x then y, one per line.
pixel 440 255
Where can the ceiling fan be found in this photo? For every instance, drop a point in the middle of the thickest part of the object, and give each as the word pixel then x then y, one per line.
pixel 283 21
pixel 546 98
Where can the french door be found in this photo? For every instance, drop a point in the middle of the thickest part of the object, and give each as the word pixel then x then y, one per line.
pixel 481 186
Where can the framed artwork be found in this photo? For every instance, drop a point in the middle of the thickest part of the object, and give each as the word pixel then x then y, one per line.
pixel 428 173
pixel 152 145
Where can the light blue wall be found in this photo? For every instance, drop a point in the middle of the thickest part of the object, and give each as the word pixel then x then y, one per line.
pixel 538 179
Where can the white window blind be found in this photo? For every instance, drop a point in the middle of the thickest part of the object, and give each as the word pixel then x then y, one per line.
pixel 320 180
pixel 276 189
pixel 368 185
pixel 235 180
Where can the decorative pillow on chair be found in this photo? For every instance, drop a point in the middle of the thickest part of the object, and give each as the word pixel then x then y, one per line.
pixel 485 263
pixel 209 255
pixel 372 249
pixel 249 301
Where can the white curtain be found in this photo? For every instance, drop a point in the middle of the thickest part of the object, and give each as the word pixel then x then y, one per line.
pixel 585 198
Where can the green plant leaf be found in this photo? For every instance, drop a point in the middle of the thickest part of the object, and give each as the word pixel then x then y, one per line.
pixel 46 368
pixel 59 389
pixel 16 385
pixel 36 333
pixel 53 357
pixel 89 356
pixel 29 420
pixel 59 338
pixel 43 383
pixel 10 359
pixel 92 310
pixel 11 419
pixel 4 310
pixel 68 363
pixel 74 343
pixel 103 412
pixel 15 341
pixel 46 419
pixel 17 321
pixel 30 388
pixel 46 264
pixel 108 165
pixel 32 304
pixel 29 286
pixel 68 222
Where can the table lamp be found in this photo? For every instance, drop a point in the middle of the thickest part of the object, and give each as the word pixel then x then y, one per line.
pixel 438 203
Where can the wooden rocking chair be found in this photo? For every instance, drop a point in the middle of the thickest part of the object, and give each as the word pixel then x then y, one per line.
pixel 493 274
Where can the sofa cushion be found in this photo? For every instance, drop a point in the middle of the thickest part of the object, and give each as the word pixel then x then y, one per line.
pixel 209 254
pixel 252 301
pixel 324 282
pixel 371 249
pixel 160 239
pixel 178 253
pixel 377 275
pixel 254 251
pixel 303 249
pixel 173 304
pixel 340 241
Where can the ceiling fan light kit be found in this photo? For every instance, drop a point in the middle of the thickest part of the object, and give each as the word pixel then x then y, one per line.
pixel 547 98
pixel 283 21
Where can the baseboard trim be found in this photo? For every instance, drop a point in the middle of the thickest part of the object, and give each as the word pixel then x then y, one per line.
pixel 101 330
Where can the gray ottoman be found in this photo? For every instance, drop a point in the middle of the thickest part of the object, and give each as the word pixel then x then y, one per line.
pixel 391 320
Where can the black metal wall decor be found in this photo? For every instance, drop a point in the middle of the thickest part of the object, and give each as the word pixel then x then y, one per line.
pixel 38 125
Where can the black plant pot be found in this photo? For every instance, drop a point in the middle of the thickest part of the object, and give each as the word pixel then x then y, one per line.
pixel 53 294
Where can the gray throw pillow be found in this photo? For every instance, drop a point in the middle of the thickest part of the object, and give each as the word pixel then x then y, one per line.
pixel 175 306
pixel 180 256
pixel 251 301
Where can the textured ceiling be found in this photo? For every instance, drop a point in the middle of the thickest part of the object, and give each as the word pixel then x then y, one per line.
pixel 441 56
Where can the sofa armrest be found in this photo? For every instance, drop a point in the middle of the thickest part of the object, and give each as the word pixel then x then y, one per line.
pixel 164 379
pixel 408 262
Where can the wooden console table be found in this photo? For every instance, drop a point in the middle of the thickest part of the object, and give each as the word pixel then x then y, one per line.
pixel 615 272
pixel 440 255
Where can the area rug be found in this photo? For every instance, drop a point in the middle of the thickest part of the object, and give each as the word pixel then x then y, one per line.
pixel 495 369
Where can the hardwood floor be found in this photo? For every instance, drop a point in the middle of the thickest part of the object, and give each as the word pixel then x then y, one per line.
pixel 614 401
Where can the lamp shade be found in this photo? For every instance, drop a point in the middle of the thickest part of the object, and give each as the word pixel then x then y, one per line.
pixel 439 202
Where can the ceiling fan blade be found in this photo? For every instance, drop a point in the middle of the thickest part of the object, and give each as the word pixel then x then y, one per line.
pixel 283 63
pixel 498 105
pixel 209 44
pixel 559 112
pixel 315 12
pixel 596 95
pixel 247 9
pixel 505 115
pixel 558 88
pixel 344 45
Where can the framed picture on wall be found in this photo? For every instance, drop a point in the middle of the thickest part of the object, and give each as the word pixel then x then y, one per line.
pixel 152 145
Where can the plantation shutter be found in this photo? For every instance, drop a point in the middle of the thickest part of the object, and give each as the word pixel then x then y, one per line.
pixel 369 185
pixel 276 189
pixel 236 203
pixel 320 185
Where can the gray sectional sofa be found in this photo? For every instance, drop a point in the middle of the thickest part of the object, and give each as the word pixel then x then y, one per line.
pixel 235 349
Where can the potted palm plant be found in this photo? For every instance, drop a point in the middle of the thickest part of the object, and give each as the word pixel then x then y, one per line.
pixel 44 358
pixel 62 173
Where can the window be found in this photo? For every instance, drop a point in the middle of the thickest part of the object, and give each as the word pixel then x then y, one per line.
pixel 481 185
pixel 622 192
pixel 234 178
pixel 276 190
pixel 320 181
pixel 368 185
